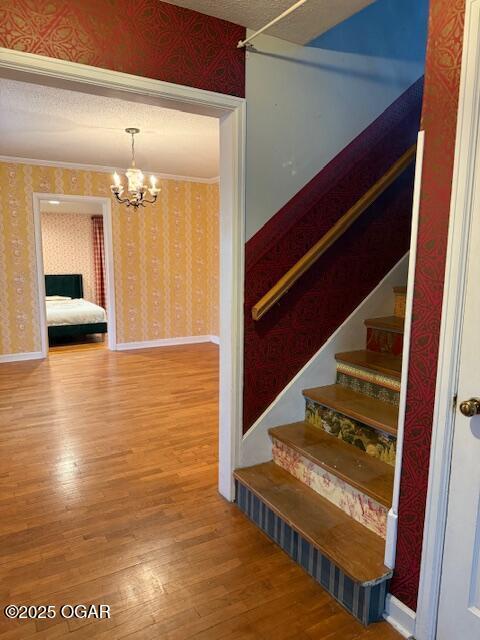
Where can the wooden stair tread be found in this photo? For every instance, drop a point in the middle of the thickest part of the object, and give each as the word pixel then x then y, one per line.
pixel 355 549
pixel 384 363
pixel 369 475
pixel 371 411
pixel 387 323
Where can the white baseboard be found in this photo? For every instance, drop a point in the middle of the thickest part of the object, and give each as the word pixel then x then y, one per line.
pixel 17 357
pixel 166 342
pixel 289 405
pixel 401 617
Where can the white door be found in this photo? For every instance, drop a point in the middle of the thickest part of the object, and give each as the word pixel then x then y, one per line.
pixel 459 610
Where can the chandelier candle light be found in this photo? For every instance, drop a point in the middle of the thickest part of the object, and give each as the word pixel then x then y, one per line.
pixel 135 182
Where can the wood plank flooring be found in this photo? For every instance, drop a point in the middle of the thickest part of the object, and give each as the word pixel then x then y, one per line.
pixel 108 495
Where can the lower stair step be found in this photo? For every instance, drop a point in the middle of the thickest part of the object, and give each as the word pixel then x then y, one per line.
pixel 369 411
pixel 394 324
pixel 369 475
pixel 383 363
pixel 332 408
pixel 342 555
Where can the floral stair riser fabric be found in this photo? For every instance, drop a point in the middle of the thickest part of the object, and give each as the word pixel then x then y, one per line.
pixel 353 502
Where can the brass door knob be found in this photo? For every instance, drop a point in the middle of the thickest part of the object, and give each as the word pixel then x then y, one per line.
pixel 470 407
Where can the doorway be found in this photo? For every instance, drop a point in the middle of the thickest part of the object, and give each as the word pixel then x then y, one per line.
pixel 230 112
pixel 76 290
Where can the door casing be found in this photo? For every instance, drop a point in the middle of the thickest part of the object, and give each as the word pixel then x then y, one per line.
pixel 231 113
pixel 106 214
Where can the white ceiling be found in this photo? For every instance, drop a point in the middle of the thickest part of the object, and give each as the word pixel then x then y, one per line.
pixel 47 123
pixel 301 26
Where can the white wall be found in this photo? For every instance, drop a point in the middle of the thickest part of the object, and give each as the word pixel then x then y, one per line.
pixel 304 105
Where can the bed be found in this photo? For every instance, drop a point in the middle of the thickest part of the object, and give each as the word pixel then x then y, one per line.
pixel 68 314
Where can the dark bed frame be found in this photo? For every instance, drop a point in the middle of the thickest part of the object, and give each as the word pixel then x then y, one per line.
pixel 71 285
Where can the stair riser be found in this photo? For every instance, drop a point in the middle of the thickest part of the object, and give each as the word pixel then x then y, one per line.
pixel 400 304
pixel 376 443
pixel 383 341
pixel 365 602
pixel 369 383
pixel 353 502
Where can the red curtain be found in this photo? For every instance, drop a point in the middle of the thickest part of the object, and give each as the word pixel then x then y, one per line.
pixel 99 260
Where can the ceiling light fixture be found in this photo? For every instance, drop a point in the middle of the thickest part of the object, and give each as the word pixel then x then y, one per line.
pixel 53 201
pixel 135 178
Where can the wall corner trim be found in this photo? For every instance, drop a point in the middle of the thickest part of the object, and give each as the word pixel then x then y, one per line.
pixel 17 357
pixel 166 342
pixel 391 540
pixel 401 617
pixel 392 521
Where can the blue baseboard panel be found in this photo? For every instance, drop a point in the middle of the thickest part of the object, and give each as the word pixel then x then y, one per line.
pixel 365 602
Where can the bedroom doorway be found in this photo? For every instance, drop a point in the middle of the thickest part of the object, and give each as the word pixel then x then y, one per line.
pixel 74 253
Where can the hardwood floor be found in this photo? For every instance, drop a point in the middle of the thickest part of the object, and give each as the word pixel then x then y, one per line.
pixel 108 495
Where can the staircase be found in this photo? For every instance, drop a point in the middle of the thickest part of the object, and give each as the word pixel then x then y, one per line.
pixel 325 496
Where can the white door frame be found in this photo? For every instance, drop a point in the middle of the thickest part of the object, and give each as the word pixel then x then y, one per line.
pixel 231 112
pixel 450 335
pixel 106 205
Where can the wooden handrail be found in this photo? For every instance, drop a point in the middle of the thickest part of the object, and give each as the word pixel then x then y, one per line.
pixel 332 235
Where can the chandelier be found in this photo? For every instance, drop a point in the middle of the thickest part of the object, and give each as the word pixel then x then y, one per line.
pixel 136 189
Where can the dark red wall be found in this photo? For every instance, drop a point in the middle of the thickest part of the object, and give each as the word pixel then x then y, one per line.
pixel 439 120
pixel 142 37
pixel 279 345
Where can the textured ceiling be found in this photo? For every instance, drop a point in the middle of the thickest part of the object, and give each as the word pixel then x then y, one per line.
pixel 46 123
pixel 304 24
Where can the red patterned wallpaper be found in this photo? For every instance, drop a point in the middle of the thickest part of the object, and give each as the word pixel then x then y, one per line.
pixel 144 37
pixel 279 345
pixel 439 119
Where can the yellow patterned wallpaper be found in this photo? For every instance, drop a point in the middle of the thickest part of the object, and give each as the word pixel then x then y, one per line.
pixel 166 257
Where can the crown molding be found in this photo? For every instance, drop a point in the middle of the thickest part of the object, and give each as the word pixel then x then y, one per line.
pixel 101 169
